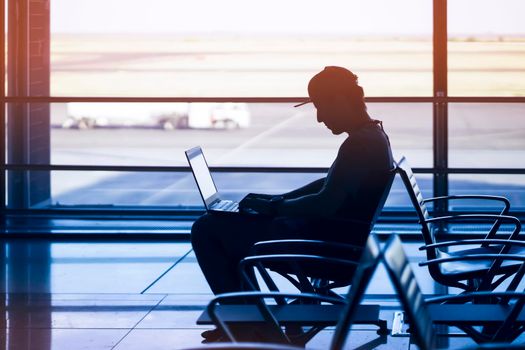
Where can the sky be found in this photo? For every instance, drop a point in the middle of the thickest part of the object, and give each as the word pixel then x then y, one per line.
pixel 343 17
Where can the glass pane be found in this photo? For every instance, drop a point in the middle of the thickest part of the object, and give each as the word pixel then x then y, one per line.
pixel 156 134
pixel 486 48
pixel 231 134
pixel 150 190
pixel 398 198
pixel 237 48
pixel 409 127
pixel 107 189
pixel 509 186
pixel 487 135
pixel 176 190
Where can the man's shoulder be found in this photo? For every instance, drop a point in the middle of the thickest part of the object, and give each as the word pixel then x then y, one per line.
pixel 368 147
pixel 364 137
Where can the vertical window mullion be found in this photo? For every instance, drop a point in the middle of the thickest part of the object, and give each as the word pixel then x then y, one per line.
pixel 28 133
pixel 440 109
pixel 2 111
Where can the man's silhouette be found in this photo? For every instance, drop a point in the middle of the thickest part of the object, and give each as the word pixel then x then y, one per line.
pixel 323 209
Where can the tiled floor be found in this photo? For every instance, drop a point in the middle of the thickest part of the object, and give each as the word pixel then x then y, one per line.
pixel 132 296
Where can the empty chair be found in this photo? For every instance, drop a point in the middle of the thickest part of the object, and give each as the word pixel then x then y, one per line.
pixel 489 317
pixel 462 273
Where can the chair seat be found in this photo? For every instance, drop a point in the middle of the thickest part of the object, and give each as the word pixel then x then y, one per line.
pixel 471 314
pixel 477 268
pixel 306 315
pixel 246 346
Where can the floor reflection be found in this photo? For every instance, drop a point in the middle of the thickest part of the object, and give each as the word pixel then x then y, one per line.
pixel 78 295
pixel 130 295
pixel 27 268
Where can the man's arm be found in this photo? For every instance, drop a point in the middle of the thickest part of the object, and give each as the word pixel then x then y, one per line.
pixel 326 201
pixel 311 188
pixel 343 179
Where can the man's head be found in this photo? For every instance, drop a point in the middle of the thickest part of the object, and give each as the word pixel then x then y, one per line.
pixel 338 98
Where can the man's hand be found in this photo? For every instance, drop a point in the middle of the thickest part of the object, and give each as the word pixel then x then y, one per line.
pixel 260 205
pixel 260 195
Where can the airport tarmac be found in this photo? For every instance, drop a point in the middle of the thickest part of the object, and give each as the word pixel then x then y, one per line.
pixel 279 65
pixel 476 133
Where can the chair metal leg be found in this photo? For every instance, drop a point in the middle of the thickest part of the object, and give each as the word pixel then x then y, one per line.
pixel 383 327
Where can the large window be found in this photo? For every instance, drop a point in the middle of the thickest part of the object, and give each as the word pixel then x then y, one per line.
pixel 486 48
pixel 104 96
pixel 232 48
pixel 487 135
pixel 268 135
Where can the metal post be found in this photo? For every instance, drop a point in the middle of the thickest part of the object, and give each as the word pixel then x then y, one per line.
pixel 17 116
pixel 2 115
pixel 440 116
pixel 3 284
pixel 28 134
pixel 440 109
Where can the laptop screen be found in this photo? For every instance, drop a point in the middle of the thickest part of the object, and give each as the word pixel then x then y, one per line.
pixel 202 175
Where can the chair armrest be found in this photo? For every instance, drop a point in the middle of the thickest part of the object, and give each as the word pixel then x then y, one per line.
pixel 259 299
pixel 245 346
pixel 266 295
pixel 252 261
pixel 498 257
pixel 505 201
pixel 298 243
pixel 475 216
pixel 472 295
pixel 473 241
pixel 466 217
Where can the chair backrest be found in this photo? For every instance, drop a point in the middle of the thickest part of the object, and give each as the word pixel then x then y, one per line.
pixel 335 236
pixel 416 197
pixel 378 187
pixel 367 264
pixel 381 193
pixel 409 293
pixel 369 201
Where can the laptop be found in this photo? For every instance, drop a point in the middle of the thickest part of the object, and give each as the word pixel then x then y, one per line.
pixel 206 185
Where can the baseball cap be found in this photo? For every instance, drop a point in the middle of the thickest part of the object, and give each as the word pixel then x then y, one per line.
pixel 330 81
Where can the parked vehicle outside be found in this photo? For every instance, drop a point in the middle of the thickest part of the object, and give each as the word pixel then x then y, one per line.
pixel 167 116
pixel 218 115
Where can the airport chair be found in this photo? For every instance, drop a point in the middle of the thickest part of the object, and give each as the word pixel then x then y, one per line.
pixel 307 276
pixel 321 276
pixel 335 269
pixel 246 346
pixel 487 318
pixel 317 278
pixel 495 346
pixel 462 273
pixel 310 311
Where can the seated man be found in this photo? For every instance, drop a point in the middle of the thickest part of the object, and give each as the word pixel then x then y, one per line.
pixel 322 209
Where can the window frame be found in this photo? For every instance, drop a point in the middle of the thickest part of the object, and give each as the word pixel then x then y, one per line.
pixel 439 100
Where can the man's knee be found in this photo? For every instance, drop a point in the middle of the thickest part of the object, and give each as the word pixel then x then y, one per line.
pixel 201 229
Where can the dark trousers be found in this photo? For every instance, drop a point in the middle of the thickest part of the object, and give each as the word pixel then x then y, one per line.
pixel 221 241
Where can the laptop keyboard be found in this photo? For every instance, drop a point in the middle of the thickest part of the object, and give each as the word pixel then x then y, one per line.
pixel 226 206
